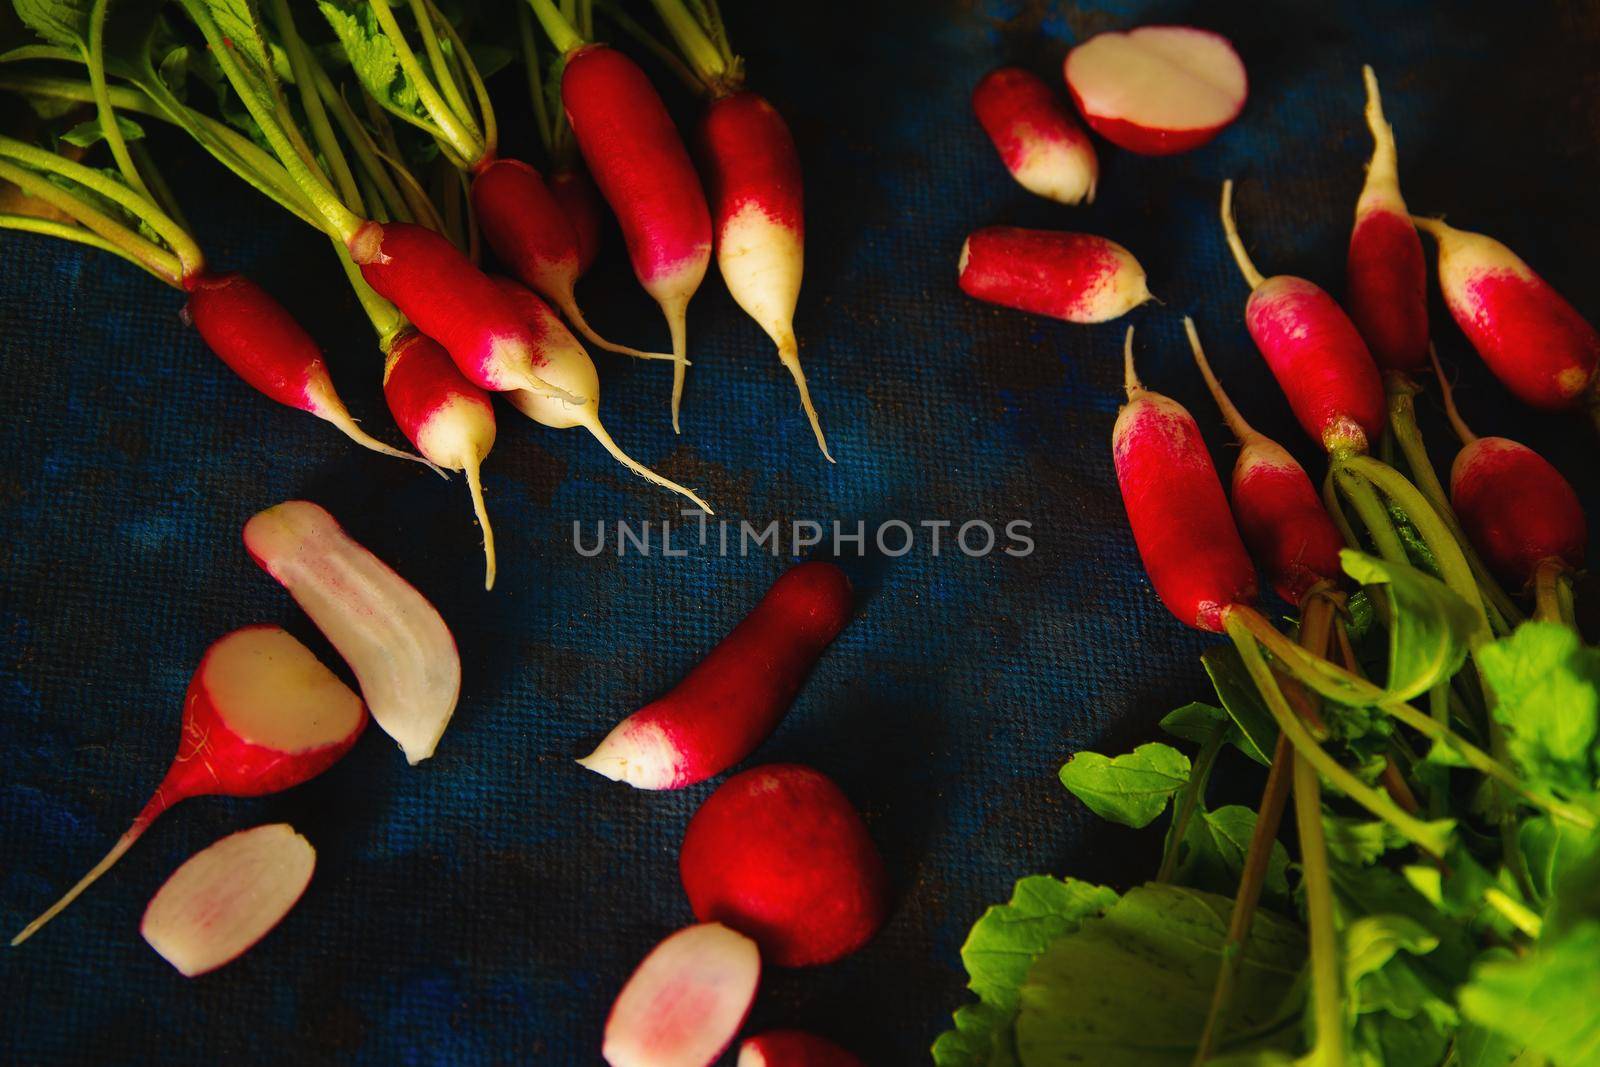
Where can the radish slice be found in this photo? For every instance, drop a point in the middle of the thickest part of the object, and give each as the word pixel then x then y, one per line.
pixel 227 897
pixel 394 640
pixel 1157 90
pixel 686 1001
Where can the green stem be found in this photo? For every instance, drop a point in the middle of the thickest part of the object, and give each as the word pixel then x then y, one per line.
pixel 1373 515
pixel 698 48
pixel 1515 912
pixel 149 255
pixel 94 60
pixel 465 143
pixel 1439 711
pixel 423 210
pixel 305 76
pixel 1189 800
pixel 480 91
pixel 1552 593
pixel 384 316
pixel 66 231
pixel 1327 986
pixel 530 63
pixel 561 32
pixel 717 29
pixel 1330 501
pixel 651 44
pixel 443 75
pixel 380 185
pixel 160 191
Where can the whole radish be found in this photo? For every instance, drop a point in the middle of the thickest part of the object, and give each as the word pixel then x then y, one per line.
pixel 686 1001
pixel 794 1048
pixel 1077 277
pixel 263 344
pixel 1517 509
pixel 1039 141
pixel 1387 279
pixel 1279 512
pixel 753 177
pixel 1314 351
pixel 579 199
pixel 450 420
pixel 261 714
pixel 735 697
pixel 779 853
pixel 1186 536
pixel 1532 339
pixel 571 369
pixel 533 235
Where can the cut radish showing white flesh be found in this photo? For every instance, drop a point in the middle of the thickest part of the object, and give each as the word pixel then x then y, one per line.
pixel 1157 90
pixel 394 640
pixel 686 1001
pixel 227 897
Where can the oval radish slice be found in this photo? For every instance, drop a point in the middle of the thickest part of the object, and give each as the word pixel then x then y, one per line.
pixel 1040 143
pixel 1076 277
pixel 794 1048
pixel 1157 90
pixel 686 1001
pixel 401 651
pixel 227 897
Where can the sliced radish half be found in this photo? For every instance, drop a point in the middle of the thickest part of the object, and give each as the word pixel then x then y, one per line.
pixel 227 897
pixel 686 1001
pixel 1157 90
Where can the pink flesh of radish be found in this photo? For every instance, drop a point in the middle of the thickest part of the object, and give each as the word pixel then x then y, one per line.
pixel 1160 81
pixel 262 714
pixel 227 897
pixel 686 1001
pixel 401 651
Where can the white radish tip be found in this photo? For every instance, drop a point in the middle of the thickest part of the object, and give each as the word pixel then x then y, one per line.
pixel 1241 429
pixel 1130 377
pixel 638 753
pixel 1230 231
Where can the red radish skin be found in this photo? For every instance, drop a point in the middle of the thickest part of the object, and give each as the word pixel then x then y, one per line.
pixel 1179 515
pixel 571 369
pixel 1386 275
pixel 263 344
pixel 1157 90
pixel 450 420
pixel 1278 510
pixel 753 178
pixel 779 853
pixel 728 704
pixel 1531 338
pixel 532 234
pixel 580 200
pixel 1517 509
pixel 685 1002
pixel 1039 141
pixel 1076 277
pixel 440 290
pixel 794 1048
pixel 262 714
pixel 641 167
pixel 1314 351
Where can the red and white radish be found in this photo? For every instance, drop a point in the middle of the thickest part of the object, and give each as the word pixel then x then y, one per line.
pixel 580 200
pixel 263 344
pixel 401 651
pixel 1314 351
pixel 533 235
pixel 225 898
pixel 1039 141
pixel 1157 90
pixel 1386 277
pixel 779 853
pixel 1279 512
pixel 1077 277
pixel 1517 509
pixel 753 178
pixel 571 369
pixel 794 1048
pixel 1532 339
pixel 1186 537
pixel 641 167
pixel 685 1002
pixel 450 420
pixel 735 697
pixel 262 714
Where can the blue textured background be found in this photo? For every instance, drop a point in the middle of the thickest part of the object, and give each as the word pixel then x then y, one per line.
pixel 486 906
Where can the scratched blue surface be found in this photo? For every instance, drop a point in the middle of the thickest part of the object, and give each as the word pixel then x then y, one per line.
pixel 486 906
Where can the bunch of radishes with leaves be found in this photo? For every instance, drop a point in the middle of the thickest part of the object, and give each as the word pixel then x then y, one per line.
pixel 1435 903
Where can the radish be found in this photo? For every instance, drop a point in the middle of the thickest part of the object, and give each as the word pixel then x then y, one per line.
pixel 580 201
pixel 1387 280
pixel 1072 276
pixel 534 236
pixel 450 420
pixel 1186 537
pixel 1314 351
pixel 1157 90
pixel 394 640
pixel 262 714
pixel 753 177
pixel 780 854
pixel 225 898
pixel 1532 339
pixel 1039 141
pixel 794 1048
pixel 1516 508
pixel 728 704
pixel 571 369
pixel 685 1002
pixel 1278 510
